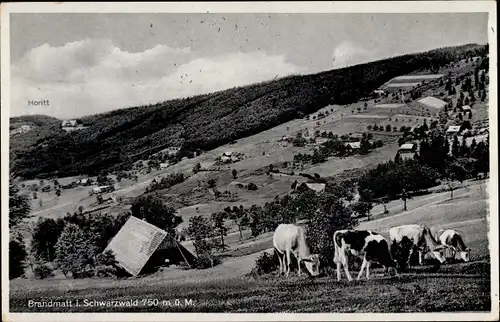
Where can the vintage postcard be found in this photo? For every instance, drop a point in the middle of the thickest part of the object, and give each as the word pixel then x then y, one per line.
pixel 249 161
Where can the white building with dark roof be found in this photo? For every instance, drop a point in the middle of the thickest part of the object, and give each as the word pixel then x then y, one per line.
pixel 453 129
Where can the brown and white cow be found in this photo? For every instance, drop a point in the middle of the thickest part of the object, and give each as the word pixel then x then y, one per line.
pixel 422 238
pixel 453 239
pixel 291 239
pixel 369 246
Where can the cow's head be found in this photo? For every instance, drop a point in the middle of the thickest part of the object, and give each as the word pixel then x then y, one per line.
pixel 439 253
pixel 312 264
pixel 465 255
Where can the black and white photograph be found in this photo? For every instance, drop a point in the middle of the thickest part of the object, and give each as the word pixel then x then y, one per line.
pixel 313 160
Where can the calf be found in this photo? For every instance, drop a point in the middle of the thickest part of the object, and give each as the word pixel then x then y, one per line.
pixel 452 239
pixel 291 239
pixel 422 238
pixel 369 246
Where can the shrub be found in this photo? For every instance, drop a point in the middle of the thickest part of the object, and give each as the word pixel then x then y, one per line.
pixel 206 261
pixel 212 183
pixel 252 186
pixel 154 211
pixel 266 263
pixel 42 271
pixel 105 265
pixel 44 237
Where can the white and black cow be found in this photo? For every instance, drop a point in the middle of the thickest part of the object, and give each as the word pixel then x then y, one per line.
pixel 422 238
pixel 369 246
pixel 453 239
pixel 291 239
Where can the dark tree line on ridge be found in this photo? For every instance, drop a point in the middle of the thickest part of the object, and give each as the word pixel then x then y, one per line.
pixel 115 140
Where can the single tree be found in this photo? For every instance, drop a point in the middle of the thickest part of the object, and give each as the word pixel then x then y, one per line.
pixel 17 256
pixel 45 236
pixel 152 209
pixel 220 229
pixel 197 168
pixel 235 173
pixel 19 205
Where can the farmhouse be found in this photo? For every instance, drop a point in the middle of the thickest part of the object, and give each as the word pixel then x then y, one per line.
pixel 407 150
pixel 320 140
pixel 318 187
pixel 453 129
pixel 353 145
pixel 466 108
pixel 102 189
pixel 139 245
pixel 21 129
pixel 71 125
pixel 173 150
pixel 433 104
pixel 379 92
pixel 164 165
pixel 84 182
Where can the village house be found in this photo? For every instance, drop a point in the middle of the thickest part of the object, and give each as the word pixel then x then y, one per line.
pixel 353 145
pixel 21 129
pixel 229 156
pixel 407 150
pixel 103 189
pixel 320 140
pixel 84 182
pixel 71 125
pixel 139 245
pixel 453 130
pixel 466 108
pixel 317 187
pixel 173 150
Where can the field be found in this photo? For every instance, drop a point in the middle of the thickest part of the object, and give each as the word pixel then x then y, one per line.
pixel 228 288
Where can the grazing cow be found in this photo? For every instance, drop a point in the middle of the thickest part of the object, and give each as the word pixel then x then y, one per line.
pixel 453 239
pixel 422 238
pixel 369 246
pixel 291 239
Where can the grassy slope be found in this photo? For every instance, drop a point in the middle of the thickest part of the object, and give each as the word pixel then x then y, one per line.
pixel 411 293
pixel 211 120
pixel 461 286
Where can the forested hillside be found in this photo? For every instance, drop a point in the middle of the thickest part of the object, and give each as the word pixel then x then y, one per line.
pixel 116 139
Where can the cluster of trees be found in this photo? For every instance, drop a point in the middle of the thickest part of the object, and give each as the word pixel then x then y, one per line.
pixel 128 135
pixel 166 182
pixel 323 213
pixel 390 178
pixel 433 163
pixel 75 243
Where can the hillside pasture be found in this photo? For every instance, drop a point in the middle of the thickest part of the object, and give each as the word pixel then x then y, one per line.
pixel 408 293
pixel 462 287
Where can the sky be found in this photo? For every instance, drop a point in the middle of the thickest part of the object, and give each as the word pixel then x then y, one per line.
pixel 83 64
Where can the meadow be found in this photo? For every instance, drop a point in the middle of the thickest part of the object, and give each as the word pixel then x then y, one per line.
pixel 230 287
